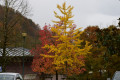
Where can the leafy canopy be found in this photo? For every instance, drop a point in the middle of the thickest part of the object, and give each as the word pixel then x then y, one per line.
pixel 68 54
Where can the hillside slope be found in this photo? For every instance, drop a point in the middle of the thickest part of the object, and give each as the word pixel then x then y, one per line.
pixel 23 25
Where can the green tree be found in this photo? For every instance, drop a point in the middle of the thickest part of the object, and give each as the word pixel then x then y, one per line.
pixel 94 61
pixel 105 51
pixel 110 39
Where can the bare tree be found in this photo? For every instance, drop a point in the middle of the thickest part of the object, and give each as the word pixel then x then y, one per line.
pixel 13 10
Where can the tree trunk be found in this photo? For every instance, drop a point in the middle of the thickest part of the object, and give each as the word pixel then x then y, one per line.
pixel 56 75
pixel 5 37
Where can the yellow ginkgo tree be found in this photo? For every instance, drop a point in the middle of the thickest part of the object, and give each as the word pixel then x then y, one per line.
pixel 69 54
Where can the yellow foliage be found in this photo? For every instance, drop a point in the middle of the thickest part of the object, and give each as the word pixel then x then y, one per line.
pixel 68 50
pixel 49 56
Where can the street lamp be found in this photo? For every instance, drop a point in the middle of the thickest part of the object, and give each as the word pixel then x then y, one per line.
pixel 24 36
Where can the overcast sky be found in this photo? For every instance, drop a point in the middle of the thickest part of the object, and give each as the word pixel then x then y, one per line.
pixel 86 12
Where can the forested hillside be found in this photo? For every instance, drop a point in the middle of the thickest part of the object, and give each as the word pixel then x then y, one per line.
pixel 23 25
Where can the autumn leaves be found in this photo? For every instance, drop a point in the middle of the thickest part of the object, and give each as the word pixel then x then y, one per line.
pixel 61 47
